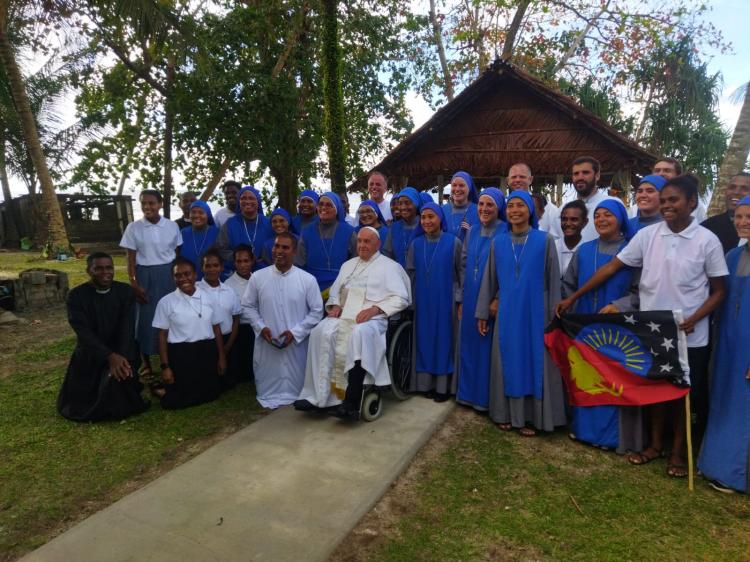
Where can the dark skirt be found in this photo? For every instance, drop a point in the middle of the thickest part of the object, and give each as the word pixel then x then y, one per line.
pixel 89 394
pixel 157 281
pixel 196 379
pixel 244 348
pixel 229 379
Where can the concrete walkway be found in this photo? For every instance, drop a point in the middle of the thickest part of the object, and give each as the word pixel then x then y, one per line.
pixel 288 487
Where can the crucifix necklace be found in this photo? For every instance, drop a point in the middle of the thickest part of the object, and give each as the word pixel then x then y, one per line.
pixel 196 248
pixel 476 254
pixel 200 305
pixel 427 265
pixel 247 232
pixel 517 257
pixel 326 249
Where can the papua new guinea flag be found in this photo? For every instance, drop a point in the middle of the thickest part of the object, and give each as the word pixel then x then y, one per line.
pixel 625 359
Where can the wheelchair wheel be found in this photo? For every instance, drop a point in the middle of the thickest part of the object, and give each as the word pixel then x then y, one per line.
pixel 372 407
pixel 400 360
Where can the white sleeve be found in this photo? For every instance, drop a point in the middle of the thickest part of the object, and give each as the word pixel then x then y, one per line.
pixel 716 263
pixel 216 312
pixel 314 310
pixel 632 254
pixel 128 240
pixel 178 238
pixel 162 314
pixel 250 310
pixel 236 304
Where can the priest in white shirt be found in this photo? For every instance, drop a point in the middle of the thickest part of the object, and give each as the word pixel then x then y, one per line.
pixel 283 304
pixel 573 219
pixel 585 173
pixel 348 348
pixel 520 178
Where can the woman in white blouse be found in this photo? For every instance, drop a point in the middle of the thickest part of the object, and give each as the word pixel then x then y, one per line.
pixel 191 346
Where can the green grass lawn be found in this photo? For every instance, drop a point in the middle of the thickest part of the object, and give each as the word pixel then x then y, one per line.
pixel 492 495
pixel 12 263
pixel 53 471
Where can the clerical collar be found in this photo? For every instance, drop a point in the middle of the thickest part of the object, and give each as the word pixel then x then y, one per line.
pixel 102 291
pixel 373 257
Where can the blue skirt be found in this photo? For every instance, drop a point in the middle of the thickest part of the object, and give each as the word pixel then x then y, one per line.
pixel 157 281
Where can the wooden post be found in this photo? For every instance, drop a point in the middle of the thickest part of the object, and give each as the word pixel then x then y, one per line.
pixel 559 180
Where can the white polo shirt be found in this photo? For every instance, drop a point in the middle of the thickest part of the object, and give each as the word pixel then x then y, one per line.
pixel 154 244
pixel 676 270
pixel 221 216
pixel 564 254
pixel 188 318
pixel 225 300
pixel 589 231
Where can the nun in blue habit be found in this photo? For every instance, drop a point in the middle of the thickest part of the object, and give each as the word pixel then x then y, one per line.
pixel 526 390
pixel 369 214
pixel 600 425
pixel 647 198
pixel 307 203
pixel 249 226
pixel 281 221
pixel 474 349
pixel 725 454
pixel 326 244
pixel 433 263
pixel 461 212
pixel 401 232
pixel 199 236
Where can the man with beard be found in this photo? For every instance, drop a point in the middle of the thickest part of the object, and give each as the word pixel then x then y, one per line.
pixel 102 377
pixel 669 168
pixel 585 174
pixel 723 225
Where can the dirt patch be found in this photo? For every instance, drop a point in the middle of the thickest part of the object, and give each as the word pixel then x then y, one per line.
pixel 37 329
pixel 381 524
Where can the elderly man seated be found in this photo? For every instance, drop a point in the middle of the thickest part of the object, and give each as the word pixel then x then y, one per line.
pixel 348 347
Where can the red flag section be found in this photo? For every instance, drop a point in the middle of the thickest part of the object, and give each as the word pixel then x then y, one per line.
pixel 593 379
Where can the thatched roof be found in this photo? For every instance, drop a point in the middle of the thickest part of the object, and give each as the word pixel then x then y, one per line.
pixel 503 117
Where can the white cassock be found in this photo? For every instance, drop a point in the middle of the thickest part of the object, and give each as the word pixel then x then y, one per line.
pixel 337 343
pixel 281 301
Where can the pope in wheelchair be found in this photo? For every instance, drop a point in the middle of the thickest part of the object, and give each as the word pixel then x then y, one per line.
pixel 347 350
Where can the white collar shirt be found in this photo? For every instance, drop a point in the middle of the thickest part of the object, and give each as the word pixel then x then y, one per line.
pixel 565 254
pixel 385 208
pixel 226 301
pixel 154 244
pixel 189 318
pixel 676 270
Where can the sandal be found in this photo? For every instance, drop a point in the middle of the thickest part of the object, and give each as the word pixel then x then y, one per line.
pixel 157 389
pixel 504 426
pixel 527 432
pixel 644 457
pixel 677 469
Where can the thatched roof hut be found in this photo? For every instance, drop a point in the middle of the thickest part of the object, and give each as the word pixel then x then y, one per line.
pixel 503 117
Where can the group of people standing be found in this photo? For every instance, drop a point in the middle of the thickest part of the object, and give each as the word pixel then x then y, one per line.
pixel 484 275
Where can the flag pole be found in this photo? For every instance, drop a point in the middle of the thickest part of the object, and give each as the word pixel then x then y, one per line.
pixel 689 438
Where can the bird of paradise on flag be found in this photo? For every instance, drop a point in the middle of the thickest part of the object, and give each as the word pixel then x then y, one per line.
pixel 625 359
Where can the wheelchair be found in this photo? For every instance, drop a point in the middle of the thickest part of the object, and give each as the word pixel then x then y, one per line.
pixel 400 357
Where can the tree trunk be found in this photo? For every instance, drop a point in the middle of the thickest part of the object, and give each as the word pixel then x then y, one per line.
pixel 735 157
pixel 140 114
pixel 11 216
pixel 334 97
pixel 58 237
pixel 438 35
pixel 215 179
pixel 286 187
pixel 510 37
pixel 168 135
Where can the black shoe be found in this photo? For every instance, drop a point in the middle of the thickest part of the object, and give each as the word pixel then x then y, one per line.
pixel 430 394
pixel 346 412
pixel 304 406
pixel 441 397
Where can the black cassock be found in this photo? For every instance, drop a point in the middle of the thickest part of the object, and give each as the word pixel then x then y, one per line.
pixel 104 323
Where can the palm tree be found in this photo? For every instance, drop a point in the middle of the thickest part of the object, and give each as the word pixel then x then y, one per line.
pixel 58 236
pixel 735 158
